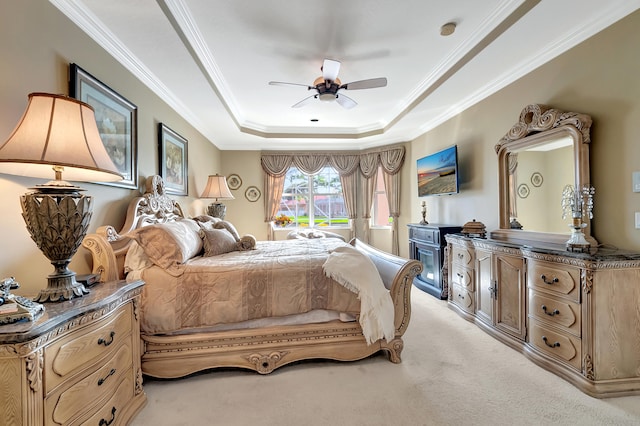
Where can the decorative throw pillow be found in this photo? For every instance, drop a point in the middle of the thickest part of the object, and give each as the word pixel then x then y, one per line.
pixel 217 241
pixel 223 224
pixel 247 242
pixel 136 259
pixel 170 244
pixel 203 218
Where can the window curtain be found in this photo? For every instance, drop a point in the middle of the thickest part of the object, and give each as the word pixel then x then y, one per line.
pixel 275 170
pixel 275 166
pixel 369 170
pixel 347 166
pixel 392 161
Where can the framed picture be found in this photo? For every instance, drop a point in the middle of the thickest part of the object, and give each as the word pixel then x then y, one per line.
pixel 117 121
pixel 173 161
pixel 536 179
pixel 523 190
pixel 234 181
pixel 252 194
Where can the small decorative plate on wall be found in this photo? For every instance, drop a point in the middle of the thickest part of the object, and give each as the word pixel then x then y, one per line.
pixel 523 190
pixel 252 194
pixel 234 181
pixel 536 179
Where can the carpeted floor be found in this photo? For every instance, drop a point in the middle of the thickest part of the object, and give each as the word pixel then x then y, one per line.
pixel 452 373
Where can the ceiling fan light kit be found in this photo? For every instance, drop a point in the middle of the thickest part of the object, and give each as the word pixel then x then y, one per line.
pixel 328 85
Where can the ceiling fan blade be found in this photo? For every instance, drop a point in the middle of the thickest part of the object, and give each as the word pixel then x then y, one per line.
pixel 345 101
pixel 303 102
pixel 330 69
pixel 282 83
pixel 365 84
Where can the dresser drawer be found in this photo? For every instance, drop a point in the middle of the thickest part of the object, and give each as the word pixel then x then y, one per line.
pixel 562 346
pixel 425 235
pixel 560 312
pixel 554 278
pixel 462 256
pixel 65 404
pixel 111 412
pixel 462 298
pixel 462 277
pixel 86 346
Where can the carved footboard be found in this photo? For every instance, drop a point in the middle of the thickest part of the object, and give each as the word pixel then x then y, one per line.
pixel 263 350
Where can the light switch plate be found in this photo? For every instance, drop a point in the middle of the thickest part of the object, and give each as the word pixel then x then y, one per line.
pixel 637 220
pixel 636 181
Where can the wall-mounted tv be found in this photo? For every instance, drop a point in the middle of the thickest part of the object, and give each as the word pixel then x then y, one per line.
pixel 438 173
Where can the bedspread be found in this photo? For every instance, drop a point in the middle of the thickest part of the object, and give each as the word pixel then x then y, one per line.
pixel 276 279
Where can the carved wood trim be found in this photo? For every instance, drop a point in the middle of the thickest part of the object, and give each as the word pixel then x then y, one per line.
pixel 34 366
pixel 536 118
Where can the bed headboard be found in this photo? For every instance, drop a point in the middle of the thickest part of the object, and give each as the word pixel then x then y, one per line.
pixel 109 246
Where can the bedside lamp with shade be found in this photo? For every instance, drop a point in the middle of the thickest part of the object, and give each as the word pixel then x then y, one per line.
pixel 57 136
pixel 217 189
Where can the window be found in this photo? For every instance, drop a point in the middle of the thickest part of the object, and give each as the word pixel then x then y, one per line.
pixel 313 200
pixel 380 208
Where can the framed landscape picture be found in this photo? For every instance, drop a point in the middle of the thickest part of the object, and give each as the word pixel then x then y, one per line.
pixel 117 120
pixel 173 160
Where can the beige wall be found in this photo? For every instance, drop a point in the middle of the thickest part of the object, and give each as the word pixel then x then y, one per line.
pixel 38 61
pixel 598 77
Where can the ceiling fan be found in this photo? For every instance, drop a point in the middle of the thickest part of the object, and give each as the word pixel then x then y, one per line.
pixel 328 85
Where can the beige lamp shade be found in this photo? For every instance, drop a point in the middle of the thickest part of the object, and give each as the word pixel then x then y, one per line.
pixel 57 131
pixel 217 188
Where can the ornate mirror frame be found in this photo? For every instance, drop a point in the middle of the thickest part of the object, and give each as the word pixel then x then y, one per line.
pixel 539 124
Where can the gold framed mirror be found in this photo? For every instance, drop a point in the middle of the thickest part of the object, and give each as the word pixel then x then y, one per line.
pixel 546 150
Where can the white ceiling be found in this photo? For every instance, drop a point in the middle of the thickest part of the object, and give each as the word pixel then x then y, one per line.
pixel 211 60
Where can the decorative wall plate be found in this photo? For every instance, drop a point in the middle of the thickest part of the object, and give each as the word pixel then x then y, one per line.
pixel 252 194
pixel 536 179
pixel 234 181
pixel 523 190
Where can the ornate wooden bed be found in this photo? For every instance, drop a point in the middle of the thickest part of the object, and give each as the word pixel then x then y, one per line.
pixel 261 349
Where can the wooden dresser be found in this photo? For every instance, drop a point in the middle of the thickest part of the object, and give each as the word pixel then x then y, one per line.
pixel 79 363
pixel 574 314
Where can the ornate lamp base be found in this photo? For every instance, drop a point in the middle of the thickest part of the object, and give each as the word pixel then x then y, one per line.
pixel 61 287
pixel 218 210
pixel 578 242
pixel 57 218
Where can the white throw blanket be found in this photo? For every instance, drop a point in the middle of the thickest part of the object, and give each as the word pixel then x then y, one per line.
pixel 356 272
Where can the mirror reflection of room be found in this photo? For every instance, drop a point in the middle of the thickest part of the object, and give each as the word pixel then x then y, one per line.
pixel 540 174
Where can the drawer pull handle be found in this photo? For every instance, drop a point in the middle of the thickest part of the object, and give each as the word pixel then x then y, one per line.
pixel 555 345
pixel 104 379
pixel 552 281
pixel 461 296
pixel 101 341
pixel 460 256
pixel 459 275
pixel 104 422
pixel 553 313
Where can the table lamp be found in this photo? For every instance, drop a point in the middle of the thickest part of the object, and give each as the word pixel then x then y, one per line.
pixel 217 188
pixel 57 135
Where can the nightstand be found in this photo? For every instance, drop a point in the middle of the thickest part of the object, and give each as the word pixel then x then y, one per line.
pixel 78 362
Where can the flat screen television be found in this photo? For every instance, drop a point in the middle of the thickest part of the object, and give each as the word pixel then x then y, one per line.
pixel 438 173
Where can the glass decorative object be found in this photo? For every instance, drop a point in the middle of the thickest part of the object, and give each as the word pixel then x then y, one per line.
pixel 579 205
